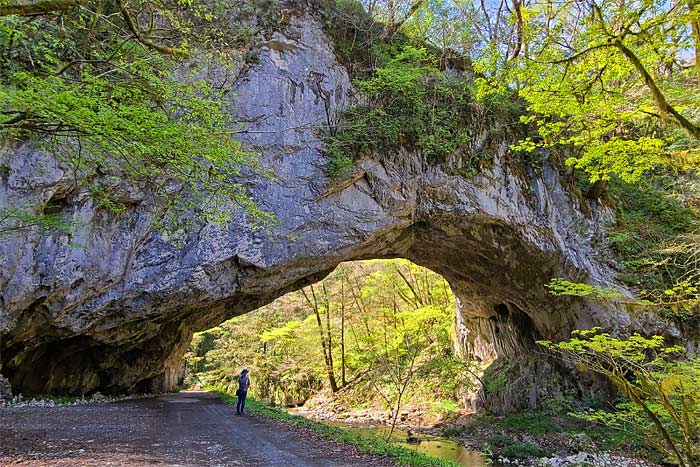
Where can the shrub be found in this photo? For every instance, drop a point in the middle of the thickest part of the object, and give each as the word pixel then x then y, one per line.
pixel 500 440
pixel 412 104
pixel 523 451
pixel 530 422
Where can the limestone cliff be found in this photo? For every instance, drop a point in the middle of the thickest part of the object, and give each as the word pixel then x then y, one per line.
pixel 112 304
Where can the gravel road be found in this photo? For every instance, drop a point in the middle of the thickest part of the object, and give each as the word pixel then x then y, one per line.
pixel 185 429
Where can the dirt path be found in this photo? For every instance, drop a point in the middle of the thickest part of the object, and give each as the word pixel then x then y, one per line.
pixel 185 429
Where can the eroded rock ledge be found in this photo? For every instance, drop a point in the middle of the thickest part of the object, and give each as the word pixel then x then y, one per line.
pixel 112 305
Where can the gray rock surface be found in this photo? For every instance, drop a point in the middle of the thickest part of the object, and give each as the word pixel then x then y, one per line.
pixel 112 304
pixel 5 390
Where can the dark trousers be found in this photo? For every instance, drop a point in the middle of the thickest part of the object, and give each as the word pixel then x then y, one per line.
pixel 240 405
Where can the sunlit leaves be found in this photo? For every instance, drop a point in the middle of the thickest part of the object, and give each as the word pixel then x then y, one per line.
pixel 115 108
pixel 561 287
pixel 661 382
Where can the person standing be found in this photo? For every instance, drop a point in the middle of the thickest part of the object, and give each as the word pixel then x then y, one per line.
pixel 242 392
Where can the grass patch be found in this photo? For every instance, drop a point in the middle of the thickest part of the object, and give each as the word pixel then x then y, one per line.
pixel 367 444
pixel 530 422
pixel 523 451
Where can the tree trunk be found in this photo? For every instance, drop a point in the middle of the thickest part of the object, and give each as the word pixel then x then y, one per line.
pixel 329 366
pixel 596 190
pixel 661 103
pixel 694 9
pixel 329 340
pixel 519 26
pixel 343 381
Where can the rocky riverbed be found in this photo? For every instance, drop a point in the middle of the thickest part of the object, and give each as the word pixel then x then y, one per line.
pixel 565 444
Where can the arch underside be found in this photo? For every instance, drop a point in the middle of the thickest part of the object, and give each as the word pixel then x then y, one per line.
pixel 497 276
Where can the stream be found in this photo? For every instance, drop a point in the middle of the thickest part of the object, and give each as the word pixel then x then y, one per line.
pixel 434 446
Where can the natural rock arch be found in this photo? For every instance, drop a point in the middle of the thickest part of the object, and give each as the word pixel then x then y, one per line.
pixel 112 305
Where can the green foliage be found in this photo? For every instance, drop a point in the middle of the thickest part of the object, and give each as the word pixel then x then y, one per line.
pixel 340 164
pixel 611 97
pixel 661 383
pixel 530 422
pixel 495 377
pixel 523 451
pixel 619 436
pixel 90 88
pixel 13 220
pixel 391 332
pixel 370 445
pixel 444 408
pixel 654 234
pixel 560 287
pixel 500 440
pixel 409 104
pixel 486 454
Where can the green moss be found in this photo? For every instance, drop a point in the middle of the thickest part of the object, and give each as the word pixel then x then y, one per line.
pixel 402 456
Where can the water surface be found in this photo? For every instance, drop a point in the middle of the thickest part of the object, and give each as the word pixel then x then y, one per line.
pixel 434 446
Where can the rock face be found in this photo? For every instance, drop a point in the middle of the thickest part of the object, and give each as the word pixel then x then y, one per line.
pixel 112 305
pixel 5 390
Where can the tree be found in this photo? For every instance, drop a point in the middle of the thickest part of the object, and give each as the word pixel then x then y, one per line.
pixel 98 86
pixel 607 79
pixel 662 384
pixel 324 334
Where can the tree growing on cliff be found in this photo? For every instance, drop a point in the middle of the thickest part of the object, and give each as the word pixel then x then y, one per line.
pixel 98 85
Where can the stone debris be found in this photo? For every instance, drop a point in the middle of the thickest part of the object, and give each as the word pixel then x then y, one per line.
pixel 96 398
pixel 5 390
pixel 593 460
pixel 581 459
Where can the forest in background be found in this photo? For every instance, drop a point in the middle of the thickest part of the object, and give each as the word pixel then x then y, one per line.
pixel 377 333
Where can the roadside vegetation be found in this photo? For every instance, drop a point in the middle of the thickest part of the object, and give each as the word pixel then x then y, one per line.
pixel 370 445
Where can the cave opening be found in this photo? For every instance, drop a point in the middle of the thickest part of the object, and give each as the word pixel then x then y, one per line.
pixel 330 336
pixel 494 277
pixel 369 330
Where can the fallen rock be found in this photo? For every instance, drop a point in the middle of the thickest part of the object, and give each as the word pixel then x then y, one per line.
pixel 5 390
